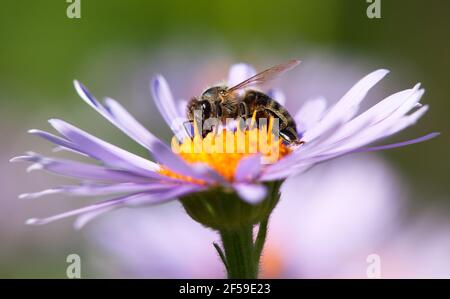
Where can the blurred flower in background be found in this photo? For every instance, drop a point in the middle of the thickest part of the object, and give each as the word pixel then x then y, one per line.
pixel 155 242
pixel 340 215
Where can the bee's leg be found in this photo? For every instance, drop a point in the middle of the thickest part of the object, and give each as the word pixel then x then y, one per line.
pixel 287 133
pixel 242 116
pixel 260 113
pixel 211 125
pixel 242 110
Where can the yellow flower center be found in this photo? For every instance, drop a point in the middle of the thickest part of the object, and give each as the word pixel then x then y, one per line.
pixel 223 151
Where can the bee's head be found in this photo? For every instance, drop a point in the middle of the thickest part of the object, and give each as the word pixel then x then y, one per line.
pixel 214 94
pixel 198 108
pixel 207 105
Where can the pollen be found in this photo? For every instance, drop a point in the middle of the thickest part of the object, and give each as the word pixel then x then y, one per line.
pixel 223 150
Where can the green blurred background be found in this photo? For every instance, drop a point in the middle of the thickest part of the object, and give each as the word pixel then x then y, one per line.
pixel 42 51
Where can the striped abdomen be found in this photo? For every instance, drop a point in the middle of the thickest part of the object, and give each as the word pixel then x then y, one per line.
pixel 266 107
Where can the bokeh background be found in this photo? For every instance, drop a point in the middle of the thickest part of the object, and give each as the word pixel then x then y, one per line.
pixel 116 46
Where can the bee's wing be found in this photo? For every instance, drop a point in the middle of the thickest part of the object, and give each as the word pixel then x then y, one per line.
pixel 266 76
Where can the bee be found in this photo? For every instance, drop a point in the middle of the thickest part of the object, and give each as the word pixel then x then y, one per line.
pixel 222 102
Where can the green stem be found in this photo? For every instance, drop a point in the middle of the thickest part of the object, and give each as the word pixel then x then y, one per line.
pixel 239 250
pixel 241 256
pixel 225 212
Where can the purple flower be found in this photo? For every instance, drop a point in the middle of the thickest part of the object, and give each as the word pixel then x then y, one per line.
pixel 327 133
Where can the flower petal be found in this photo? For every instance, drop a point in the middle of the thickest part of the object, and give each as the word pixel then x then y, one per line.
pixel 119 117
pixel 373 124
pixel 395 105
pixel 108 205
pixel 240 72
pixel 99 190
pixel 162 153
pixel 312 153
pixel 104 151
pixel 346 108
pixel 166 105
pixel 382 130
pixel 91 208
pixel 363 137
pixel 320 158
pixel 398 144
pixel 310 114
pixel 115 156
pixel 392 103
pixel 285 172
pixel 277 95
pixel 251 193
pixel 129 125
pixel 81 170
pixel 83 219
pixel 248 168
pixel 63 143
pixel 175 163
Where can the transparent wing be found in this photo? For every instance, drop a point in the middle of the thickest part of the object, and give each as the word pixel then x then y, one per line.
pixel 266 76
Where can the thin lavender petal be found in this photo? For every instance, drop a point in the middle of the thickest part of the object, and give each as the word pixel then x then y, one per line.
pixel 164 195
pixel 81 170
pixel 56 140
pixel 128 124
pixel 101 205
pixel 98 190
pixel 277 95
pixel 381 130
pixel 166 105
pixel 248 168
pixel 83 219
pixel 389 110
pixel 178 165
pixel 104 151
pixel 306 164
pixel 119 117
pixel 346 108
pixel 310 114
pixel 131 200
pixel 240 72
pixel 250 193
pixel 398 144
pixel 118 157
pixel 209 174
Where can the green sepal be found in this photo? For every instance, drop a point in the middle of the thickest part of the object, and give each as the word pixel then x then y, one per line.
pixel 219 208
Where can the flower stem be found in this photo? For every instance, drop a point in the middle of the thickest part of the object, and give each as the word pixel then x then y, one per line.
pixel 241 260
pixel 234 219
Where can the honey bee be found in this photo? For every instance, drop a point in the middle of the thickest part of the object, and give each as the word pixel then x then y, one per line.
pixel 235 102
